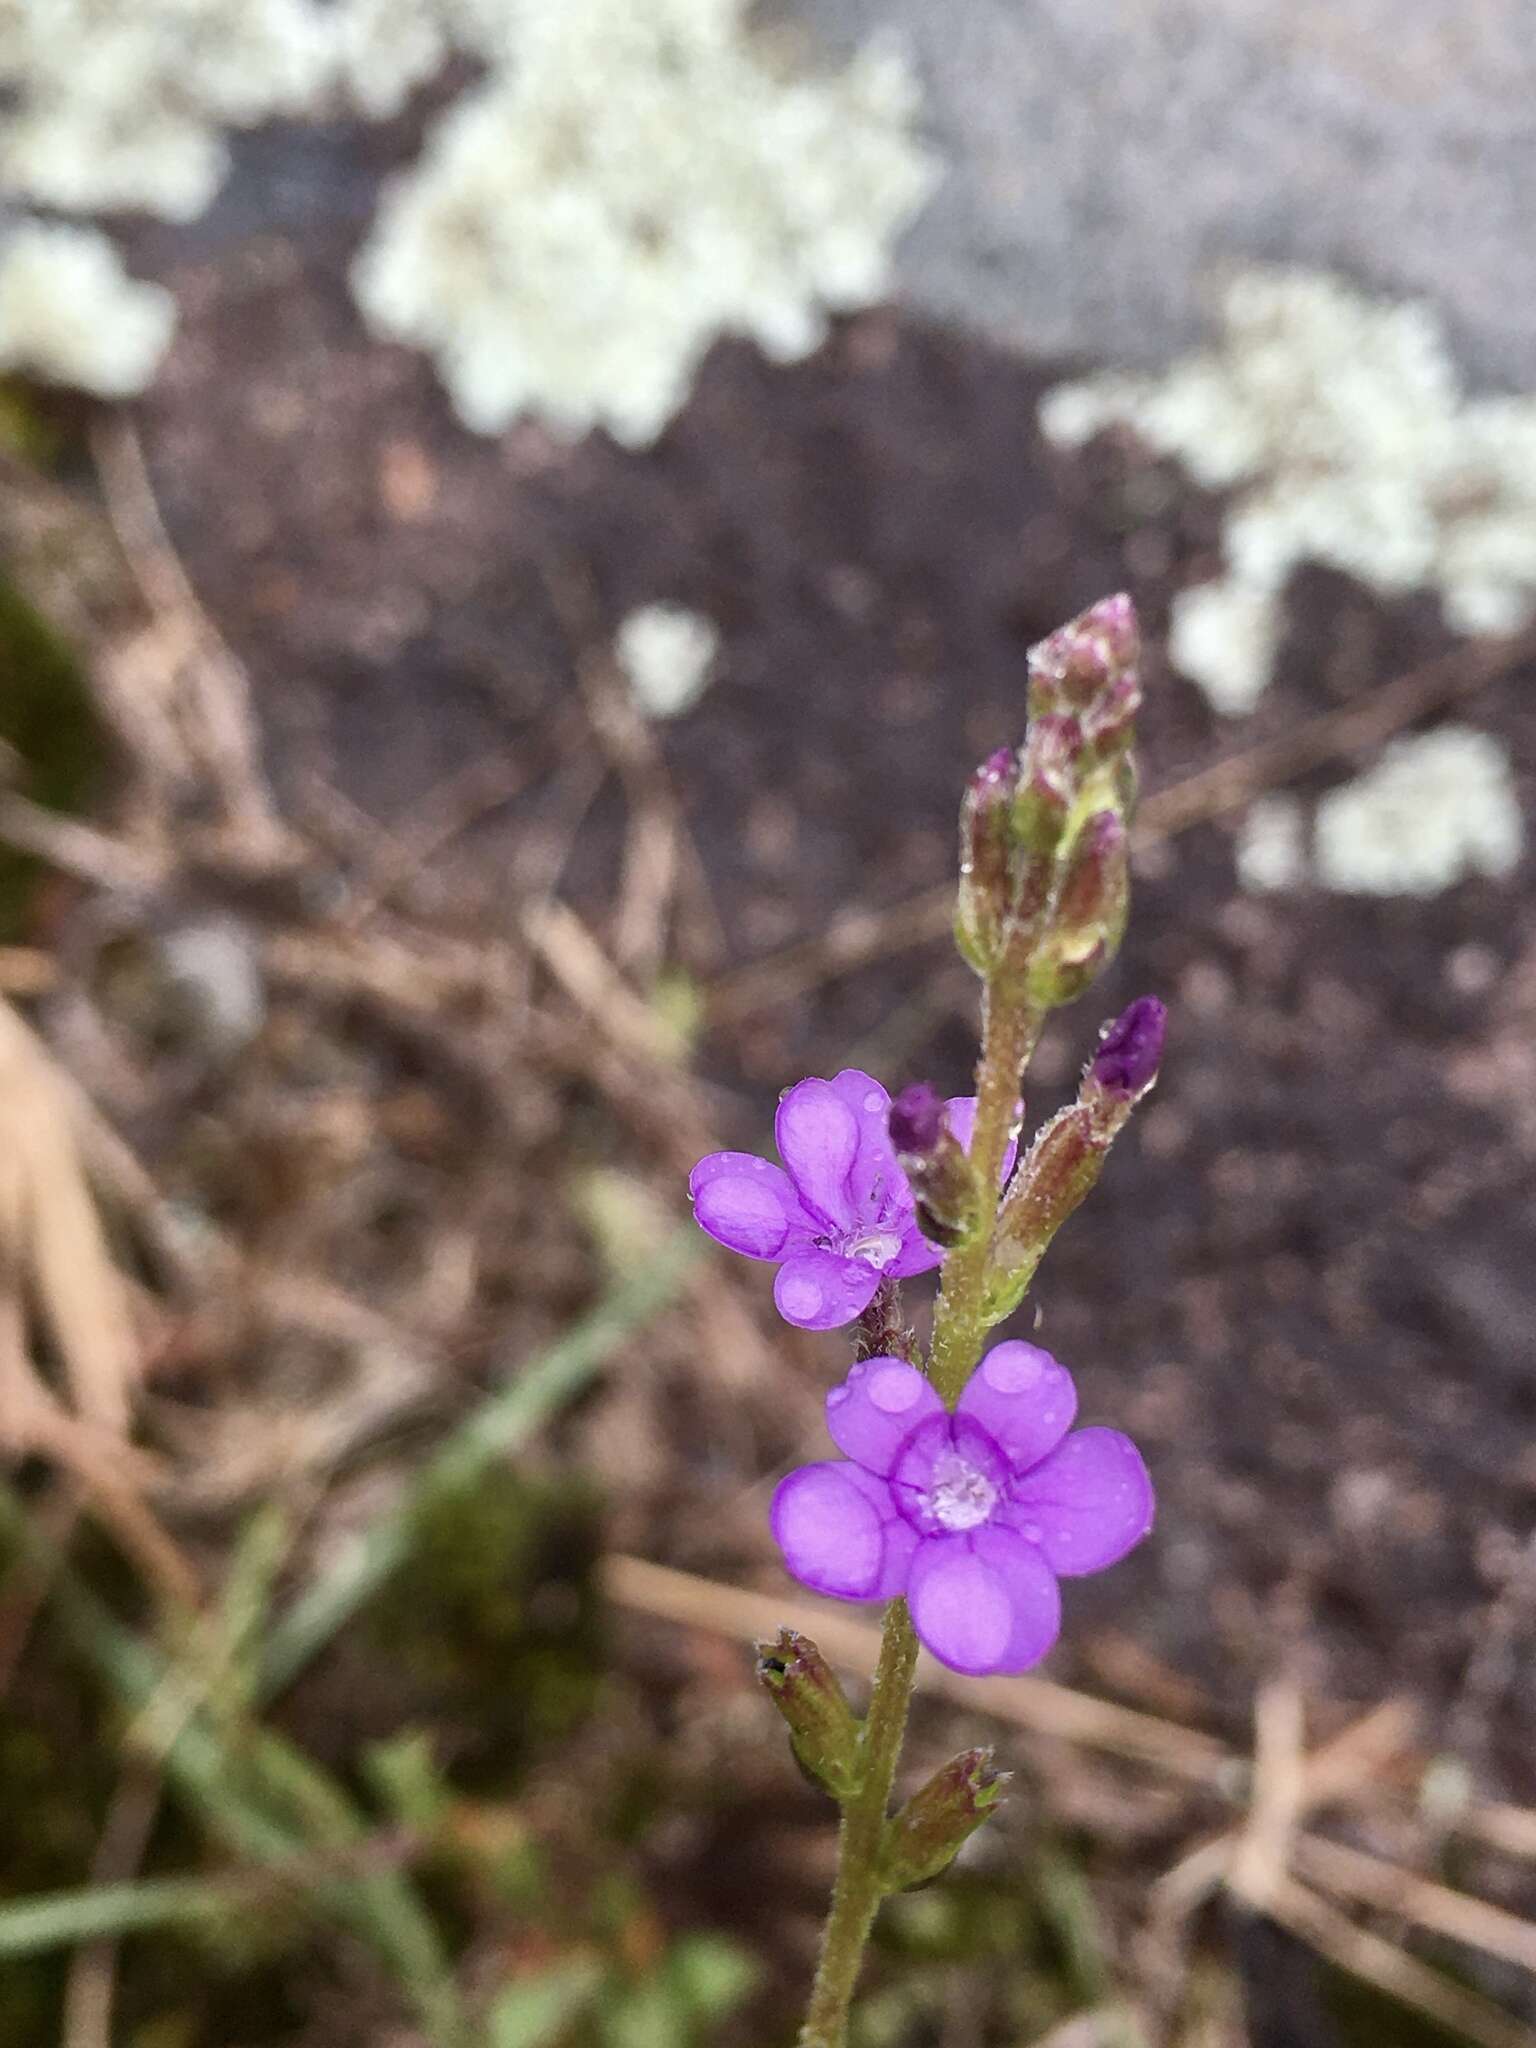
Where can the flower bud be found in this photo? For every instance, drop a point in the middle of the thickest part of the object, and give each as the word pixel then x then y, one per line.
pixel 917 1119
pixel 823 1729
pixel 1048 783
pixel 937 1166
pixel 1088 920
pixel 986 873
pixel 1063 1164
pixel 1089 668
pixel 923 1837
pixel 1130 1051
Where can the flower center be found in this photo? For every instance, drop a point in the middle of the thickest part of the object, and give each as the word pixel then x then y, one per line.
pixel 960 1495
pixel 878 1247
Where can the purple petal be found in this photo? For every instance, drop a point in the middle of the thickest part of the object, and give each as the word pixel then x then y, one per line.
pixel 962 1121
pixel 901 1539
pixel 1023 1399
pixel 830 1526
pixel 877 1187
pixel 817 1290
pixel 876 1409
pixel 865 1096
pixel 918 1254
pixel 985 1602
pixel 746 1203
pixel 1087 1504
pixel 818 1135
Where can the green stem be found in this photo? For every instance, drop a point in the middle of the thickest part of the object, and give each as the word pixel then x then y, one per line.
pixel 856 1893
pixel 1008 1037
pixel 959 1325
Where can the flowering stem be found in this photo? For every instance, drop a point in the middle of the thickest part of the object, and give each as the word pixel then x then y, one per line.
pixel 856 1894
pixel 1008 1038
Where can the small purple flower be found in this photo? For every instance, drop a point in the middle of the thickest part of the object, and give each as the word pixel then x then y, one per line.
pixel 841 1218
pixel 972 1515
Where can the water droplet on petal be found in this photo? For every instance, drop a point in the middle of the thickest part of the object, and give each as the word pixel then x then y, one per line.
pixel 1032 1532
pixel 1013 1369
pixel 895 1387
pixel 837 1396
pixel 874 1101
pixel 800 1297
pixel 759 1166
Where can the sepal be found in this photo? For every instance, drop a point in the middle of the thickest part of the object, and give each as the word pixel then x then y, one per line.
pixel 824 1731
pixel 923 1838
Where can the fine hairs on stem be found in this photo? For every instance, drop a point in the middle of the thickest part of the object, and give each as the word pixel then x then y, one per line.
pixel 963 1494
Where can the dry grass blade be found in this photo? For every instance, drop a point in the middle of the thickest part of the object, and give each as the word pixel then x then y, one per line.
pixel 1336 1770
pixel 212 693
pixel 1259 1861
pixel 1367 1880
pixel 1511 1829
pixel 1035 1704
pixel 1380 1962
pixel 60 1289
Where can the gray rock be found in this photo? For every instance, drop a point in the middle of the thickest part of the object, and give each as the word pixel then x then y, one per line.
pixel 1112 158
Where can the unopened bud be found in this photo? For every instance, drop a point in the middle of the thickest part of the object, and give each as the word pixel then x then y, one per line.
pixel 1088 921
pixel 1048 782
pixel 917 1119
pixel 823 1728
pixel 1089 668
pixel 921 1840
pixel 1063 1164
pixel 937 1166
pixel 986 874
pixel 1131 1051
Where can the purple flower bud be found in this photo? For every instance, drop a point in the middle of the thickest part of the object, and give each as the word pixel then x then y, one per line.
pixel 917 1118
pixel 986 874
pixel 1089 667
pixel 1131 1050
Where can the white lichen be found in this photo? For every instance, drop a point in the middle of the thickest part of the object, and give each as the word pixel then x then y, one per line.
pixel 1271 845
pixel 119 106
pixel 666 653
pixel 1222 635
pixel 1436 807
pixel 639 178
pixel 69 312
pixel 1342 428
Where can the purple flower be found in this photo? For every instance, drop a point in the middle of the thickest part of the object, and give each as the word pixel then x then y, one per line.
pixel 838 1217
pixel 972 1515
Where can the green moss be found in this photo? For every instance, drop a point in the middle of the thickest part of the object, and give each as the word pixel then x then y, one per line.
pixel 46 716
pixel 494 1622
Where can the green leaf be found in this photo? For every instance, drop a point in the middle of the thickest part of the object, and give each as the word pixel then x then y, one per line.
pixel 404 1773
pixel 710 1974
pixel 535 2012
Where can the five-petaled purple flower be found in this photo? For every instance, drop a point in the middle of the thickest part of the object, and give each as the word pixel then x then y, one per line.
pixel 841 1218
pixel 972 1515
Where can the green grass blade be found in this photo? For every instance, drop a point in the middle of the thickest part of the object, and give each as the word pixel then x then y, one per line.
pixel 502 1423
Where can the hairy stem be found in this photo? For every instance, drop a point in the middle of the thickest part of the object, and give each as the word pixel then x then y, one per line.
pixel 856 1894
pixel 1008 1038
pixel 959 1325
